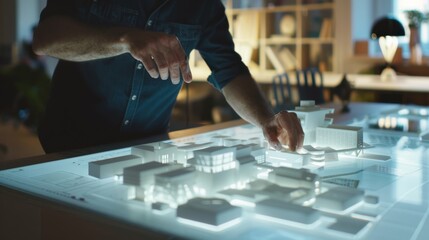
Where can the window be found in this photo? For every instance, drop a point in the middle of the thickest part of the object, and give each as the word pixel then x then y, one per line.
pixel 422 5
pixel 361 26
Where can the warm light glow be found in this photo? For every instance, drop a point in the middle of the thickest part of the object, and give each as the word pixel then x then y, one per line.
pixel 381 123
pixel 388 45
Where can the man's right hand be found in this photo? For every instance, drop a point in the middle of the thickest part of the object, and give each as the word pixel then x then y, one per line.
pixel 161 54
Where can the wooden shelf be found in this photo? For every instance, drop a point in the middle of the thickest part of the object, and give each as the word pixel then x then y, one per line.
pixel 317 40
pixel 274 9
pixel 317 6
pixel 253 39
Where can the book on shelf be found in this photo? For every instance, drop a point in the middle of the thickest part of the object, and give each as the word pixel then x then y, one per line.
pixel 326 29
pixel 246 27
pixel 275 61
pixel 282 59
pixel 287 59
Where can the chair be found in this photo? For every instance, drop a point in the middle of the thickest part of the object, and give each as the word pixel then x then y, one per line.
pixel 310 85
pixel 283 99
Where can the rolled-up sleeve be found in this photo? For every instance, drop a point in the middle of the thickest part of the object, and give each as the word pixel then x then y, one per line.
pixel 217 49
pixel 56 7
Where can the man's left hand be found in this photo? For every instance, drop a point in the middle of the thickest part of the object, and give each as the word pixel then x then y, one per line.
pixel 284 128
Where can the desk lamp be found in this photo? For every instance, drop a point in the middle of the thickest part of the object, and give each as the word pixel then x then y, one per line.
pixel 387 29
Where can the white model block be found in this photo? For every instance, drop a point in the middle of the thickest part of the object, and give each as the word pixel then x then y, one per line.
pixel 212 211
pixel 259 153
pixel 287 211
pixel 176 186
pixel 229 142
pixel 339 199
pixel 186 152
pixel 144 174
pixel 160 206
pixel 339 137
pixel 219 140
pixel 194 146
pixel 371 199
pixel 258 184
pixel 255 140
pixel 294 178
pixel 213 182
pixel 295 195
pixel 246 195
pixel 214 159
pixel 159 151
pixel 247 169
pixel 286 158
pixel 242 150
pixel 348 225
pixel 175 177
pixel 311 117
pixel 213 156
pixel 112 166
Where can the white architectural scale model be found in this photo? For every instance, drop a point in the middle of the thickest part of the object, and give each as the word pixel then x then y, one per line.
pixel 229 184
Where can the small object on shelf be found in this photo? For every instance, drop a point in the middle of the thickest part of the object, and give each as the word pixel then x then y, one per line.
pixel 326 29
pixel 287 25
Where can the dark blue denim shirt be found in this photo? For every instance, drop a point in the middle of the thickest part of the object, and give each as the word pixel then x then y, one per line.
pixel 114 99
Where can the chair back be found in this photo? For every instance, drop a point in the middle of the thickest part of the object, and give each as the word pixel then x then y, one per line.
pixel 310 85
pixel 282 92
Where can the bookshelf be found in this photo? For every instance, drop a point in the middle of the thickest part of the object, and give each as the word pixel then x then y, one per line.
pixel 300 33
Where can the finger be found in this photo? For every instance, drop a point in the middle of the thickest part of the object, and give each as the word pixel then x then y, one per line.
pixel 286 122
pixel 150 67
pixel 299 131
pixel 283 136
pixel 186 72
pixel 162 65
pixel 173 68
pixel 271 136
pixel 183 62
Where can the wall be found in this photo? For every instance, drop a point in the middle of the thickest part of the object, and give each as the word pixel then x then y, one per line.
pixel 363 14
pixel 28 13
pixel 7 21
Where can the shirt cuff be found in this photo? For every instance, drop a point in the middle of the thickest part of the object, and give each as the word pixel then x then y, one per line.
pixel 220 79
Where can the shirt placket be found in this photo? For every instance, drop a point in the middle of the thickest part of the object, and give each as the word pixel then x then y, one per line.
pixel 138 81
pixel 134 96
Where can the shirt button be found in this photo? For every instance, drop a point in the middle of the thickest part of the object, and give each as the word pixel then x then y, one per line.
pixel 149 23
pixel 126 122
pixel 134 97
pixel 139 66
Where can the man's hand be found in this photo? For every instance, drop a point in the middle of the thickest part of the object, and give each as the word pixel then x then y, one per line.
pixel 161 54
pixel 66 38
pixel 284 128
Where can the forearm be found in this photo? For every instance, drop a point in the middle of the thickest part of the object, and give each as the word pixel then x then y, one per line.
pixel 246 98
pixel 66 38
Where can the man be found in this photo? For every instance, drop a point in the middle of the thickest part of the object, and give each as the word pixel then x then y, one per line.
pixel 122 64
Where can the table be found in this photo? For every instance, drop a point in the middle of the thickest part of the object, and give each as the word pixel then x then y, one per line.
pixel 366 87
pixel 56 199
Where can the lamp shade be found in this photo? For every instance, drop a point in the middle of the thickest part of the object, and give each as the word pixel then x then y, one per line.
pixel 387 26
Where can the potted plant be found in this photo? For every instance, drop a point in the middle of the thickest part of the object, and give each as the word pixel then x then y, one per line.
pixel 415 19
